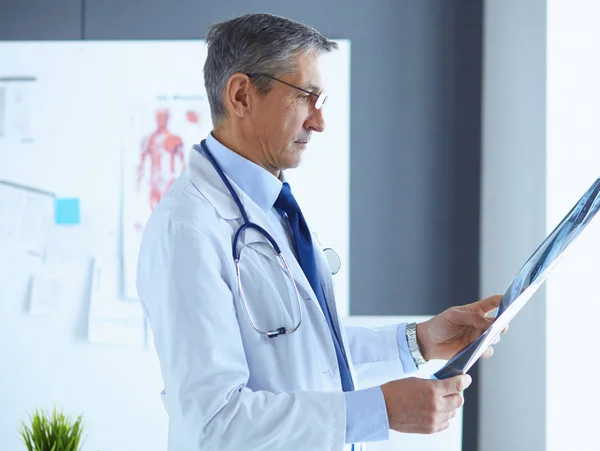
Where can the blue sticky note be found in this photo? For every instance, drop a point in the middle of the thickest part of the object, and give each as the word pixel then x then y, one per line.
pixel 66 211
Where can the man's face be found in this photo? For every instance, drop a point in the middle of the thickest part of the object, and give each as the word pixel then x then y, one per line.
pixel 284 118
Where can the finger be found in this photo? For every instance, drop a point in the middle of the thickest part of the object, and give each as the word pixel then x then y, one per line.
pixel 491 315
pixel 442 426
pixel 455 384
pixel 505 329
pixel 488 304
pixel 443 417
pixel 488 353
pixel 437 423
pixel 452 402
pixel 433 427
pixel 473 319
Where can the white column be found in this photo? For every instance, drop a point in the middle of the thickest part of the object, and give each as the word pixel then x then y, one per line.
pixel 541 151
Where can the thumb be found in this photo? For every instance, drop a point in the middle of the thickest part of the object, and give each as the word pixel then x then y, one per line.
pixel 474 319
pixel 454 385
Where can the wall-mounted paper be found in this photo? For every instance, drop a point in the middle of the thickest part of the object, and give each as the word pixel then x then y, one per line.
pixel 47 292
pixel 66 211
pixel 112 321
pixel 25 214
pixel 17 97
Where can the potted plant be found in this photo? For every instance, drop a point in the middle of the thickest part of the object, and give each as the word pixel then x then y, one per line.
pixel 55 432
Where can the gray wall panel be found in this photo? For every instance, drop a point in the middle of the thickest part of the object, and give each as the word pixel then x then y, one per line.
pixel 40 19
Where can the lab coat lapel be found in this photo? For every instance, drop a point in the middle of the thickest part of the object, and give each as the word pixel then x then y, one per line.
pixel 210 186
pixel 326 281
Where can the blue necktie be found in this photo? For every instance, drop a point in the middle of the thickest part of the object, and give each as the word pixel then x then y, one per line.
pixel 306 257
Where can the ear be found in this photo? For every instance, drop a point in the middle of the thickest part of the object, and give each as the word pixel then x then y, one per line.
pixel 238 95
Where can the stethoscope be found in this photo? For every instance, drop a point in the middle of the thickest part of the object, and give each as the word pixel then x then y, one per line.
pixel 333 259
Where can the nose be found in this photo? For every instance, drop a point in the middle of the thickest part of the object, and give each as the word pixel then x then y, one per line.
pixel 316 121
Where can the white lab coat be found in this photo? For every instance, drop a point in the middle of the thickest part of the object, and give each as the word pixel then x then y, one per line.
pixel 226 386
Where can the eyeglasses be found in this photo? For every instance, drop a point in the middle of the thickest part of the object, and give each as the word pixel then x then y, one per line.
pixel 321 98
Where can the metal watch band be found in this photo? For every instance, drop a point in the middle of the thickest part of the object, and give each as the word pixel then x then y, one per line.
pixel 413 344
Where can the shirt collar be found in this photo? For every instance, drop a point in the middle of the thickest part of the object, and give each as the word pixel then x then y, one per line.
pixel 257 183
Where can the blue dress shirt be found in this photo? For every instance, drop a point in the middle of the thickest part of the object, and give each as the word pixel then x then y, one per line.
pixel 366 414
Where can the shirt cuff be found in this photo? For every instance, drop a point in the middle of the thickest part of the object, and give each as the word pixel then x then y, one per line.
pixel 366 416
pixel 408 363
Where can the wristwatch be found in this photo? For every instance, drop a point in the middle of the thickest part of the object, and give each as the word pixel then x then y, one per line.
pixel 413 344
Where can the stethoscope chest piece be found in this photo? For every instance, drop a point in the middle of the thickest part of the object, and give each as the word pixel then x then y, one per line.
pixel 333 260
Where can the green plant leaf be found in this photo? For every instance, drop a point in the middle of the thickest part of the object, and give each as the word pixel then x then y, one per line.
pixel 53 431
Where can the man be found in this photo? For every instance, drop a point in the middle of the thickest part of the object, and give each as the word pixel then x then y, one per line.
pixel 252 351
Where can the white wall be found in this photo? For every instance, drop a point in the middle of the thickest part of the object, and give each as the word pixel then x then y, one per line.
pixel 573 163
pixel 46 360
pixel 540 154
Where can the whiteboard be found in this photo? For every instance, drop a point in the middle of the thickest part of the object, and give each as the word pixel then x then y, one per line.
pixel 72 120
pixel 91 104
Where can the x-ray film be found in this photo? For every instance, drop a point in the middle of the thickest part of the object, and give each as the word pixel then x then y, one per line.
pixel 531 276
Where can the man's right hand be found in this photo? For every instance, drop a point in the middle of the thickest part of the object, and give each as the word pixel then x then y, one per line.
pixel 423 406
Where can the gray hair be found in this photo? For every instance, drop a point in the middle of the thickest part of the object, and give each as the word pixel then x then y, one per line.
pixel 255 43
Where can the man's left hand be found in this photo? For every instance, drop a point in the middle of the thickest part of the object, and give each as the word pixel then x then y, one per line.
pixel 447 333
